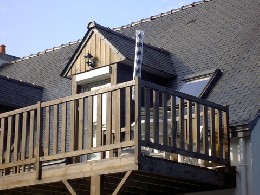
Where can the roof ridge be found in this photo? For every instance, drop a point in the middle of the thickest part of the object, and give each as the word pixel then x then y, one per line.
pixel 94 24
pixel 43 52
pixel 21 82
pixel 161 15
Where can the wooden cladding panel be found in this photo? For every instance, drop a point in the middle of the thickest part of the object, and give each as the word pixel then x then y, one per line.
pixel 104 54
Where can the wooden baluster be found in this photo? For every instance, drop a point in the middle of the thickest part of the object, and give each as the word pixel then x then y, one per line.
pixel 17 137
pixel 24 135
pixel 173 126
pixel 220 133
pixel 205 131
pixel 80 131
pixel 99 121
pixel 197 125
pixel 118 118
pixel 156 116
pixel 226 134
pixel 72 126
pixel 213 132
pixel 47 131
pixel 109 122
pixel 128 114
pixel 147 114
pixel 55 128
pixel 189 125
pixel 31 134
pixel 64 127
pixel 90 122
pixel 2 140
pixel 181 123
pixel 165 126
pixel 9 140
pixel 38 152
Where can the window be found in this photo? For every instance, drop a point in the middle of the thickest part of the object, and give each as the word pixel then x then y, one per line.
pixel 199 85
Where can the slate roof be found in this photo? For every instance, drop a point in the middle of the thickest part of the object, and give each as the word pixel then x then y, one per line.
pixel 153 57
pixel 203 36
pixel 18 94
pixel 209 35
pixel 4 58
pixel 44 70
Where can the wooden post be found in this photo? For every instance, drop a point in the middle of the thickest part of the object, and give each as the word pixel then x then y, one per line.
pixel 97 185
pixel 137 135
pixel 226 135
pixel 38 151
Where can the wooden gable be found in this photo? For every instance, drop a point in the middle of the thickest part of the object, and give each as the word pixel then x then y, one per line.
pixel 104 54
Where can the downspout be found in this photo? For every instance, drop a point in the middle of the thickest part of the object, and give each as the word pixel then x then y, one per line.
pixel 243 165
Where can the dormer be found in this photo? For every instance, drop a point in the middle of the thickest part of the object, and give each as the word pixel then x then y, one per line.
pixel 102 47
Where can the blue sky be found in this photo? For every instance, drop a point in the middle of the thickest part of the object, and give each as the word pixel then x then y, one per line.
pixel 30 26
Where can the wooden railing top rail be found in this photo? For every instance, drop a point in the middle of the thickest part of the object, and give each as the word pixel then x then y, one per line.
pixel 69 98
pixel 183 95
pixel 17 111
pixel 89 93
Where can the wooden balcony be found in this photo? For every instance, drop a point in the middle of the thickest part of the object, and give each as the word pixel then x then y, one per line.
pixel 103 142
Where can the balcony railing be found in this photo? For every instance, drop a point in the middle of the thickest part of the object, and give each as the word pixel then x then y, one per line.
pixel 106 123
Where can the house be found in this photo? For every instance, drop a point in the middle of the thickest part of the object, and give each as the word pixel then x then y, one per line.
pixel 5 57
pixel 192 127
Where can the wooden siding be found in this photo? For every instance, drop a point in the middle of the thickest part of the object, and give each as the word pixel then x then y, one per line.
pixel 104 54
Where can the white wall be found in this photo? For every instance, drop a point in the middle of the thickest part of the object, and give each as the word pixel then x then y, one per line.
pixel 235 161
pixel 255 138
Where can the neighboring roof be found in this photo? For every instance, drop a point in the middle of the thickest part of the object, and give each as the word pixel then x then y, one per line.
pixel 4 58
pixel 44 70
pixel 209 35
pixel 17 94
pixel 155 58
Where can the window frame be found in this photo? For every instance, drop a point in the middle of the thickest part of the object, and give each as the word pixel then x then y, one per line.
pixel 213 76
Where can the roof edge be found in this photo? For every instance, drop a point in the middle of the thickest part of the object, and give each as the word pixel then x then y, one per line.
pixel 21 82
pixel 40 53
pixel 161 15
pixel 94 24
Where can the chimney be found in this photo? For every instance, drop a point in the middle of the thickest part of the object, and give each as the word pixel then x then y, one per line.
pixel 2 49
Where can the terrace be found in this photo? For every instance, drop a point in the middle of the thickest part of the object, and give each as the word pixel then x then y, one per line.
pixel 106 142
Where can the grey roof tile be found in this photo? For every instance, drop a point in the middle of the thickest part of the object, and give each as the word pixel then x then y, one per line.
pixel 217 34
pixel 44 70
pixel 17 93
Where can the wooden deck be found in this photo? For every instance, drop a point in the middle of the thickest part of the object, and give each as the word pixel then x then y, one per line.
pixel 103 142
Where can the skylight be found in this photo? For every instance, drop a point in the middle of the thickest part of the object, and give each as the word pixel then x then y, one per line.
pixel 199 85
pixel 194 87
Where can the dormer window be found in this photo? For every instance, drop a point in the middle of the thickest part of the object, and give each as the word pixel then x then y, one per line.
pixel 199 85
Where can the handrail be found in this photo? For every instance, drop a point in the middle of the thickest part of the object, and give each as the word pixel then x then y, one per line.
pixel 173 123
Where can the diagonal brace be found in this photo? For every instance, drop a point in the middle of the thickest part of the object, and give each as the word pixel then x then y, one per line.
pixel 69 187
pixel 122 183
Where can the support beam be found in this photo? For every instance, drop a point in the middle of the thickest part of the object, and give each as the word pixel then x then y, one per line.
pixel 69 187
pixel 122 183
pixel 97 185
